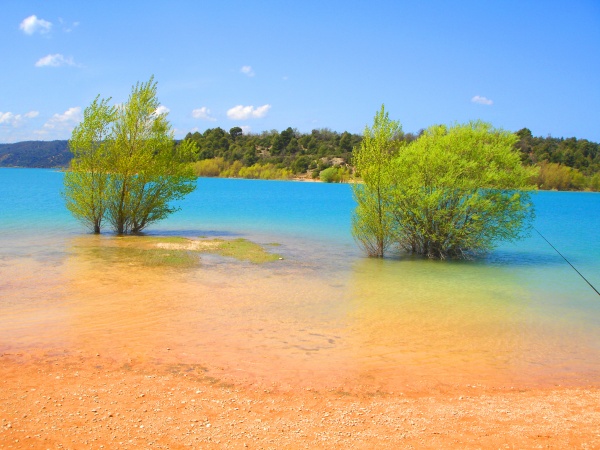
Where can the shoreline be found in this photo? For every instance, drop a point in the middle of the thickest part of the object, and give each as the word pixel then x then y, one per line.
pixel 295 179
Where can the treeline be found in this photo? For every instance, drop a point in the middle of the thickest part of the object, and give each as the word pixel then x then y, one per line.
pixel 564 163
pixel 274 154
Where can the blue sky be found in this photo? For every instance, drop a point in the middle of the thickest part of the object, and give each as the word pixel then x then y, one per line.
pixel 269 65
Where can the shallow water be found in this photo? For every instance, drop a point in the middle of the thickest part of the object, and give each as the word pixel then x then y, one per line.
pixel 324 315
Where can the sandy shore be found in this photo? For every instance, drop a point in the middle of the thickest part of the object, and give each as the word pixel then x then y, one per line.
pixel 78 400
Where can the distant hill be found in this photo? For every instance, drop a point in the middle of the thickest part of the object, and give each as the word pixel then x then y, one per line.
pixel 38 154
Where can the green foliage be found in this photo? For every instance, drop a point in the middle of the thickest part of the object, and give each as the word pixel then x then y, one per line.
pixel 570 153
pixel 158 257
pixel 87 184
pixel 264 172
pixel 126 168
pixel 328 175
pixel 160 252
pixel 218 167
pixel 579 154
pixel 173 251
pixel 452 192
pixel 300 164
pixel 271 154
pixel 335 175
pixel 240 249
pixel 562 178
pixel 233 170
pixel 456 191
pixel 594 182
pixel 372 222
pixel 210 167
pixel 148 171
pixel 235 132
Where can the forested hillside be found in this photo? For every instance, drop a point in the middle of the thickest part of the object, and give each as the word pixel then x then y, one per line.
pixel 272 154
pixel 38 154
pixel 565 163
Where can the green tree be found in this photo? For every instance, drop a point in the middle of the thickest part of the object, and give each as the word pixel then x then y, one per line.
pixel 142 169
pixel 250 157
pixel 293 147
pixel 277 144
pixel 329 175
pixel 559 177
pixel 235 132
pixel 300 164
pixel 594 183
pixel 86 184
pixel 334 175
pixel 457 191
pixel 372 221
pixel 346 142
pixel 287 135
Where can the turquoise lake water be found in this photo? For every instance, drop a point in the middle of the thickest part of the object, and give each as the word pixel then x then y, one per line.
pixel 519 315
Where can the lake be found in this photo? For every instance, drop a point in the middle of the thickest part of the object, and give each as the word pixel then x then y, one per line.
pixel 323 315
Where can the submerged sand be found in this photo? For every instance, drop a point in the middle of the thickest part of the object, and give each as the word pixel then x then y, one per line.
pixel 102 352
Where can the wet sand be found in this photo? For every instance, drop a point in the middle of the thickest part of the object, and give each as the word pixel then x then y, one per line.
pixel 102 353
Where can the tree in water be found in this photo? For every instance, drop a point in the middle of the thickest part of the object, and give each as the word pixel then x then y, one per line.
pixel 372 221
pixel 86 184
pixel 142 169
pixel 456 191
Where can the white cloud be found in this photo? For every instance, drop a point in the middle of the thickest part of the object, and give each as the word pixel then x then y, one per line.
pixel 55 60
pixel 240 112
pixel 66 27
pixel 32 24
pixel 162 109
pixel 65 121
pixel 246 129
pixel 482 100
pixel 15 120
pixel 247 70
pixel 7 117
pixel 203 114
